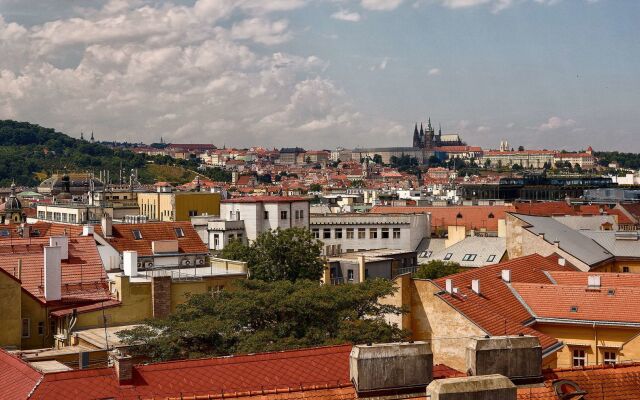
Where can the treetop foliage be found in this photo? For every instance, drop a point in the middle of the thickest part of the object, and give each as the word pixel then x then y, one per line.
pixel 435 269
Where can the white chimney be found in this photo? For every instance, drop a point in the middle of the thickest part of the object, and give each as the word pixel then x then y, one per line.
pixel 107 225
pixel 87 230
pixel 475 286
pixel 63 243
pixel 506 275
pixel 130 261
pixel 448 286
pixel 594 281
pixel 52 273
pixel 562 261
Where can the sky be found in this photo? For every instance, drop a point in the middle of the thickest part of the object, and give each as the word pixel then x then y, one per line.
pixel 546 74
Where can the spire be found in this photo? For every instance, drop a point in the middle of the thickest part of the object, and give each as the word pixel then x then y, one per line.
pixel 92 140
pixel 81 135
pixel 439 130
pixel 421 130
pixel 416 137
pixel 429 127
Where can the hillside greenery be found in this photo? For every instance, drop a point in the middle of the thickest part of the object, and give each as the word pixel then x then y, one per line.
pixel 30 153
pixel 624 160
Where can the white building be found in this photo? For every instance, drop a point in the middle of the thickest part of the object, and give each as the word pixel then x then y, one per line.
pixel 358 232
pixel 266 213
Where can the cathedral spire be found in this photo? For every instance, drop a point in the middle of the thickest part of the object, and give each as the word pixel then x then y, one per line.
pixel 429 127
pixel 416 137
pixel 92 140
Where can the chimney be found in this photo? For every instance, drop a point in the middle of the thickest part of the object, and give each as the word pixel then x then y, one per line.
pixel 562 261
pixel 495 387
pixel 87 230
pixel 394 366
pixel 519 358
pixel 506 275
pixel 52 273
pixel 130 262
pixel 123 365
pixel 475 286
pixel 26 231
pixel 362 267
pixel 107 225
pixel 593 281
pixel 448 285
pixel 63 243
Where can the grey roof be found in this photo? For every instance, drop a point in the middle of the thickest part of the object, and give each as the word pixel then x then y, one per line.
pixel 481 247
pixel 586 222
pixel 571 241
pixel 614 244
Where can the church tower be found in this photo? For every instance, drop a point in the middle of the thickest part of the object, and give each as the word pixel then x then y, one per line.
pixel 416 136
pixel 13 208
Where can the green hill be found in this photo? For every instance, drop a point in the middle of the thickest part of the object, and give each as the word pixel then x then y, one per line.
pixel 30 153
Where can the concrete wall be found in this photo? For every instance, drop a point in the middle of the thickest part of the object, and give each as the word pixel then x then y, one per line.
pixel 518 357
pixel 489 387
pixel 202 202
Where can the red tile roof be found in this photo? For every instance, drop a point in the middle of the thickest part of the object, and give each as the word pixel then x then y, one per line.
pixel 549 301
pixel 83 275
pixel 472 217
pixel 607 279
pixel 266 199
pixel 602 382
pixel 123 239
pixel 326 367
pixel 17 377
pixel 497 310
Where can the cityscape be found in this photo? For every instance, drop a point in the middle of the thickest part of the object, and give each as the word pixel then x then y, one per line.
pixel 206 199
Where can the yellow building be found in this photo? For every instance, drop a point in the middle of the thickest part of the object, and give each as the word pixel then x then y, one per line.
pixel 167 205
pixel 580 318
pixel 148 294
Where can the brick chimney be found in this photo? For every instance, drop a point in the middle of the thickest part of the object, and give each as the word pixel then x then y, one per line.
pixel 123 365
pixel 161 296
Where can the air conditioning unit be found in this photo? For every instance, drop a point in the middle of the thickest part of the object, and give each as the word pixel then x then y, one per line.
pixel 200 261
pixel 139 264
pixel 148 264
pixel 186 262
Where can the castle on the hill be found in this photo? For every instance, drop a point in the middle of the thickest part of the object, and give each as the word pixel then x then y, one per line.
pixel 428 139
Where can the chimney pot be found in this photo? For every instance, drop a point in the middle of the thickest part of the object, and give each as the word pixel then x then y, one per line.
pixel 475 286
pixel 506 275
pixel 449 285
pixel 87 230
pixel 63 243
pixel 130 262
pixel 562 261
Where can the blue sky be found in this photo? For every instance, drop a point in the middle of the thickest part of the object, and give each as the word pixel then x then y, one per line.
pixel 540 73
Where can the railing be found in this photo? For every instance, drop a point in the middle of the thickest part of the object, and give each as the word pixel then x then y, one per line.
pixel 175 274
pixel 406 270
pixel 337 281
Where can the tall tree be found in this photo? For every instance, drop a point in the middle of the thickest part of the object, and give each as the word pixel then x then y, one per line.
pixel 256 316
pixel 435 269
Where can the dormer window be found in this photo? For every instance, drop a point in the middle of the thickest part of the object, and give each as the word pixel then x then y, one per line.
pixel 137 235
pixel 448 256
pixel 179 232
pixel 574 309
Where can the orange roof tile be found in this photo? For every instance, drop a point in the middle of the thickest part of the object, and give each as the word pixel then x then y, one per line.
pixel 18 378
pixel 123 238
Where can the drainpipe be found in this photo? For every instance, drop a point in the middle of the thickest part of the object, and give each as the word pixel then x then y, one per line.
pixel 595 338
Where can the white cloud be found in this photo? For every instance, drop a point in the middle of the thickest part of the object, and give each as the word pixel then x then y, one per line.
pixel 433 72
pixel 554 123
pixel 346 15
pixel 483 129
pixel 380 5
pixel 138 71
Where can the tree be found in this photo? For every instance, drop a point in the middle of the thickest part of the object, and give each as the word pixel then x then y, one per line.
pixel 377 158
pixel 283 254
pixel 487 163
pixel 257 316
pixel 516 167
pixel 520 148
pixel 435 269
pixel 315 187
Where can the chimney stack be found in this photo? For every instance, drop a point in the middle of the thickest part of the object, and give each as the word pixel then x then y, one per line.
pixel 52 273
pixel 107 225
pixel 593 281
pixel 130 262
pixel 87 230
pixel 63 243
pixel 475 286
pixel 380 367
pixel 362 267
pixel 562 261
pixel 448 285
pixel 506 275
pixel 123 365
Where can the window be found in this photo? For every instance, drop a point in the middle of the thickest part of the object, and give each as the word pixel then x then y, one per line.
pixel 579 358
pixel 448 256
pixel 609 358
pixel 231 237
pixel 491 258
pixel 193 213
pixel 625 269
pixel 239 236
pixel 72 218
pixel 396 233
pixel 41 328
pixel 216 240
pixel 337 233
pixel 266 215
pixel 179 232
pixel 301 214
pixel 4 233
pixel 373 233
pixel 137 235
pixel 385 233
pixel 361 233
pixel 64 217
pixel 237 215
pixel 231 215
pixel 350 274
pixel 349 233
pixel 366 273
pixel 49 214
pixel 316 233
pixel 26 327
pixel 326 233
pixel 283 215
pixel 469 257
pixel 296 214
pixel 40 214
